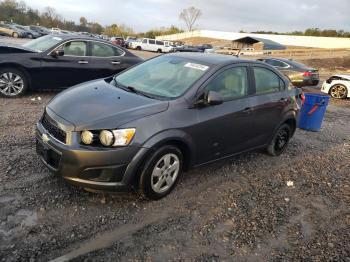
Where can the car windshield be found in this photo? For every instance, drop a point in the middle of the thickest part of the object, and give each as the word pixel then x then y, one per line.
pixel 163 77
pixel 43 43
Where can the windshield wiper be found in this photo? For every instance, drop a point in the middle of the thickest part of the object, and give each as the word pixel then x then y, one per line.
pixel 132 89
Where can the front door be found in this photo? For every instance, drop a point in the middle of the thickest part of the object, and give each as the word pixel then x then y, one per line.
pixel 226 128
pixel 67 70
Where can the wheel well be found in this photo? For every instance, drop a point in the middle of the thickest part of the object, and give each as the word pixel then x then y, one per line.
pixel 18 67
pixel 292 123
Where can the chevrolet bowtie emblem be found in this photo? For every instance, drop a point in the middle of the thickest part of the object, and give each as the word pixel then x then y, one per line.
pixel 45 138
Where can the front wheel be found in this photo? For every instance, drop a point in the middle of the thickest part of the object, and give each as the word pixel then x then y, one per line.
pixel 13 82
pixel 280 140
pixel 161 172
pixel 15 35
pixel 338 91
pixel 30 36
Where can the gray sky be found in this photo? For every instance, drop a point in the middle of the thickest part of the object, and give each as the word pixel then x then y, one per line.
pixel 223 15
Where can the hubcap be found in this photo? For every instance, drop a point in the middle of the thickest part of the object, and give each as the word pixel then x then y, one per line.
pixel 11 84
pixel 281 140
pixel 165 173
pixel 338 91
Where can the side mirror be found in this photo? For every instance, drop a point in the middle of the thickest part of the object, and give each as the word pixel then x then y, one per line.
pixel 214 98
pixel 57 52
pixel 211 98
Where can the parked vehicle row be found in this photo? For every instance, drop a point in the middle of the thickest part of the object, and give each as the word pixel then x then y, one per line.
pixel 58 61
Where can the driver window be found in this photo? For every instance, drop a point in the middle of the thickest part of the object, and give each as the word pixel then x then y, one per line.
pixel 75 48
pixel 230 84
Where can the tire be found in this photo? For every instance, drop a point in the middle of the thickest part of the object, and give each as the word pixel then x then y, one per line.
pixel 160 173
pixel 159 50
pixel 280 140
pixel 15 35
pixel 30 36
pixel 138 48
pixel 13 82
pixel 338 91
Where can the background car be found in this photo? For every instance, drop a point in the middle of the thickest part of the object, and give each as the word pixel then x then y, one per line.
pixel 187 48
pixel 338 86
pixel 299 74
pixel 205 47
pixel 40 30
pixel 118 40
pixel 58 61
pixel 30 33
pixel 11 30
pixel 146 125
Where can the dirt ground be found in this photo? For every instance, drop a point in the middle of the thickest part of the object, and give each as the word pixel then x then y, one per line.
pixel 252 207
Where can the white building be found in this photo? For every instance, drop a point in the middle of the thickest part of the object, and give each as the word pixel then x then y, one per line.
pixel 287 40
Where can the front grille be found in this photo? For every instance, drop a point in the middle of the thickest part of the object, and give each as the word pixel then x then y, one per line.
pixel 53 130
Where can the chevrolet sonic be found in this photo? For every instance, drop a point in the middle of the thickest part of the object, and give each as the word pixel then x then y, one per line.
pixel 141 128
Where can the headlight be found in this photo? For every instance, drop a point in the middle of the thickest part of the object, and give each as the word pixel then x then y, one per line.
pixel 106 138
pixel 118 137
pixel 123 137
pixel 87 137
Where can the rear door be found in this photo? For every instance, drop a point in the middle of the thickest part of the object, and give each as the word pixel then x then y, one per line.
pixel 270 101
pixel 105 60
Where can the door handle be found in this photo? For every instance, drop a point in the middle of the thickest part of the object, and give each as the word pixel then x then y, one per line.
pixel 247 110
pixel 83 62
pixel 115 63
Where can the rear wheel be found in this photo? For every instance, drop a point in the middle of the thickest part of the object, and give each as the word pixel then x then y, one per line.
pixel 30 36
pixel 159 50
pixel 13 82
pixel 280 140
pixel 138 48
pixel 161 172
pixel 15 35
pixel 338 91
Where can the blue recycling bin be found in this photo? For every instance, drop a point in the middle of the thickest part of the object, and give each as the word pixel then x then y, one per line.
pixel 312 112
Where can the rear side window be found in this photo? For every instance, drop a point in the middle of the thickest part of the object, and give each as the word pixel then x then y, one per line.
pixel 159 42
pixel 266 81
pixel 151 42
pixel 230 84
pixel 103 50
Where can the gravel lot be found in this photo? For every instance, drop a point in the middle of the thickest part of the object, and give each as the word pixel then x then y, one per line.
pixel 247 208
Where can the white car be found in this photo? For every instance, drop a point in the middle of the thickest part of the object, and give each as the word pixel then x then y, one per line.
pixel 338 86
pixel 152 45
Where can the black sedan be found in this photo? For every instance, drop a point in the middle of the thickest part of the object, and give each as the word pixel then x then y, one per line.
pixel 143 127
pixel 58 61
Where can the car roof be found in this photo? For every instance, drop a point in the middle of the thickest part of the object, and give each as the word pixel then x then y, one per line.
pixel 213 59
pixel 73 37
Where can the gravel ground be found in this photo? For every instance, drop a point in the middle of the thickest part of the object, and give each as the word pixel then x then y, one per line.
pixel 252 207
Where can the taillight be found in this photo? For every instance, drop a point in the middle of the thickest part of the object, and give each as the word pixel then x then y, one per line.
pixel 307 74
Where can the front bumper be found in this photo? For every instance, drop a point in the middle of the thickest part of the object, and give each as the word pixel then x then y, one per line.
pixel 111 169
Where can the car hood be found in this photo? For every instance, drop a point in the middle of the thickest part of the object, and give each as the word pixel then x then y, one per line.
pixel 100 105
pixel 11 49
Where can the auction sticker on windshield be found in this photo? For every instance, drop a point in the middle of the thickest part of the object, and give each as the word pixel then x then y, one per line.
pixel 197 66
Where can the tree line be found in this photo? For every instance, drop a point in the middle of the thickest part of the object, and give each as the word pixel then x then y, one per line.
pixel 19 12
pixel 308 32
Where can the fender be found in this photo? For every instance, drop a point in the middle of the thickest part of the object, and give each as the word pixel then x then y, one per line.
pixel 168 136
